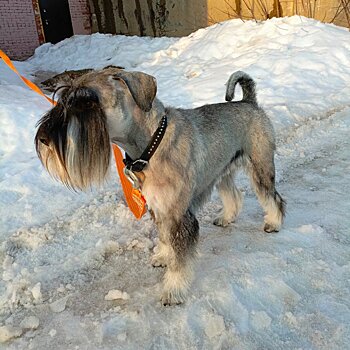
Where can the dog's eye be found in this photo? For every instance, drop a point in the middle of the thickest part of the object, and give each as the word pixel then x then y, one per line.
pixel 44 141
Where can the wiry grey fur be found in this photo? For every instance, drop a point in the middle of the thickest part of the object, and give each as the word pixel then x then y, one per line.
pixel 202 147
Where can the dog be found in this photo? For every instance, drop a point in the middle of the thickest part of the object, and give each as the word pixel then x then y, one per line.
pixel 189 152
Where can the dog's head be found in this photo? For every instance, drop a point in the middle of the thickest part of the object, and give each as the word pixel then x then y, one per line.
pixel 73 138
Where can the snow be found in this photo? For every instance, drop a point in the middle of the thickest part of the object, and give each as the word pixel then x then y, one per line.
pixel 30 322
pixel 59 305
pixel 52 332
pixel 36 293
pixel 260 320
pixel 62 253
pixel 9 332
pixel 115 294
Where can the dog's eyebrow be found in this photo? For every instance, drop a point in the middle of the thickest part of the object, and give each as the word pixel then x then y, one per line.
pixel 59 88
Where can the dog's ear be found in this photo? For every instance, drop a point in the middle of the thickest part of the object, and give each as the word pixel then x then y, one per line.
pixel 143 87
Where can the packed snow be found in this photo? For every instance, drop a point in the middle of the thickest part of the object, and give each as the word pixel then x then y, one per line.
pixel 75 267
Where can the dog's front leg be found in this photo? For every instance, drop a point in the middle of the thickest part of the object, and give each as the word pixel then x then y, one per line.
pixel 178 239
pixel 162 254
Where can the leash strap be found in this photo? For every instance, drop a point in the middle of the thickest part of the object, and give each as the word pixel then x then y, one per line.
pixel 136 202
pixel 133 197
pixel 31 85
pixel 140 163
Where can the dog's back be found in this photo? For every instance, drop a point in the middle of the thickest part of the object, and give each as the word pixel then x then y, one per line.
pixel 221 131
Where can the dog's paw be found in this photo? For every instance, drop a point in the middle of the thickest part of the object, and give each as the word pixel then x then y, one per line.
pixel 176 284
pixel 158 261
pixel 169 299
pixel 269 228
pixel 221 221
pixel 161 255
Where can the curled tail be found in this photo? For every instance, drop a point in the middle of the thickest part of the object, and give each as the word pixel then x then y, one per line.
pixel 247 84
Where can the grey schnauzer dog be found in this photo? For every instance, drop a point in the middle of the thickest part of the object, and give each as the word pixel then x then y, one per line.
pixel 199 149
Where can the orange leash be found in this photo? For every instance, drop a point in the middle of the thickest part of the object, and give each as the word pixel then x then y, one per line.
pixel 133 197
pixel 26 81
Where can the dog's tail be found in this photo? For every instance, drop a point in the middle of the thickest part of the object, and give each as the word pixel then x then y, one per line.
pixel 247 84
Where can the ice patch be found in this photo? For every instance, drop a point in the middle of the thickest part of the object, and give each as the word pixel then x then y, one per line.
pixel 260 320
pixel 308 229
pixel 36 292
pixel 59 305
pixel 9 332
pixel 214 326
pixel 115 294
pixel 30 322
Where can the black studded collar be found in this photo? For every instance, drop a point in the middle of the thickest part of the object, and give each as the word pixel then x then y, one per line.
pixel 140 163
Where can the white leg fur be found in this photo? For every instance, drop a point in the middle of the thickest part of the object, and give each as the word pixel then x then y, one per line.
pixel 176 283
pixel 161 256
pixel 177 247
pixel 269 199
pixel 273 218
pixel 232 201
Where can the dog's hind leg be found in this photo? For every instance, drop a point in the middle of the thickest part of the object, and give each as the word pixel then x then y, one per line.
pixel 262 171
pixel 231 198
pixel 181 237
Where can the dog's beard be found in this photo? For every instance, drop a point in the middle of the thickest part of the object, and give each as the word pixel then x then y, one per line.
pixel 73 144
